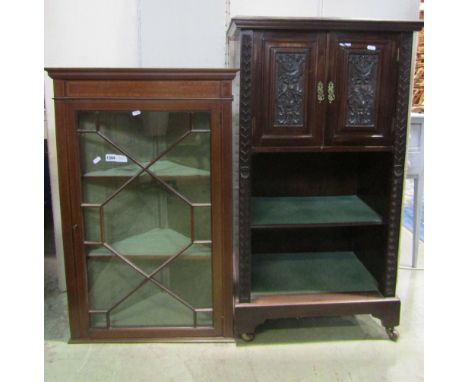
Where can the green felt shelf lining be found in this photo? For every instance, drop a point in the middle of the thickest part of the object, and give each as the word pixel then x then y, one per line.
pixel 155 242
pixel 343 209
pixel 163 168
pixel 310 272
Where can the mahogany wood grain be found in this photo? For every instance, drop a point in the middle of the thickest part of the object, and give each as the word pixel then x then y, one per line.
pixel 347 145
pixel 119 89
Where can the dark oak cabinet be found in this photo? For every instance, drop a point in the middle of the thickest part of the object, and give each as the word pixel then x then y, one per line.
pixel 319 88
pixel 323 109
pixel 362 75
pixel 144 161
pixel 288 111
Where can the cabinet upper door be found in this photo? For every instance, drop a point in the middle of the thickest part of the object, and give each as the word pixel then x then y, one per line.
pixel 361 88
pixel 287 110
pixel 147 245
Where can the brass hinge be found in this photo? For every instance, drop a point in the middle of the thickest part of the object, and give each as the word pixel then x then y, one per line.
pixel 398 55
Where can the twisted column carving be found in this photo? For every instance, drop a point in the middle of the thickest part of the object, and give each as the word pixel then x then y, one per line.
pixel 245 142
pixel 399 148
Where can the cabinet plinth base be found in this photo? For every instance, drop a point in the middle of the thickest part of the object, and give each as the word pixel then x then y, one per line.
pixel 249 315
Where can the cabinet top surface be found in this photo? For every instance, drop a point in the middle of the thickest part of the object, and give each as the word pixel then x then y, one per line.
pixel 140 74
pixel 311 23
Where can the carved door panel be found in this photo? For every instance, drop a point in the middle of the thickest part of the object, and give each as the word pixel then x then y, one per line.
pixel 289 111
pixel 360 89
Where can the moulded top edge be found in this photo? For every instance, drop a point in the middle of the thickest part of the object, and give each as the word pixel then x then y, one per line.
pixel 314 23
pixel 141 73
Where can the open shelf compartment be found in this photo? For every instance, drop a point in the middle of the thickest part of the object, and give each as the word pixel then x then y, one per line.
pixel 310 272
pixel 342 209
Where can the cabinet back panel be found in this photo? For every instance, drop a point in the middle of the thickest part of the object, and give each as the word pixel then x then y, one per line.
pixel 301 240
pixel 304 174
pixel 321 174
pixel 370 248
pixel 374 181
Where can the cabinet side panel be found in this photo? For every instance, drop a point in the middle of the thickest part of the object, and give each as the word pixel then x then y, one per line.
pixel 66 216
pixel 245 141
pixel 399 148
pixel 227 218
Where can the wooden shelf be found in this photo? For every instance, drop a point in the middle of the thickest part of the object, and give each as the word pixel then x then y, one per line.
pixel 312 272
pixel 162 168
pixel 155 242
pixel 313 210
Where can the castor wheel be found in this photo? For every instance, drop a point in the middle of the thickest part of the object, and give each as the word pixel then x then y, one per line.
pixel 247 337
pixel 392 334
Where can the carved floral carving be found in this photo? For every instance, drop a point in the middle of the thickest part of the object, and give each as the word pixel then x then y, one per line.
pixel 362 80
pixel 289 100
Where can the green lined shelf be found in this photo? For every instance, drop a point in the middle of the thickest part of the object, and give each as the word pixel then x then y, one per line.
pixel 310 272
pixel 163 168
pixel 311 210
pixel 155 242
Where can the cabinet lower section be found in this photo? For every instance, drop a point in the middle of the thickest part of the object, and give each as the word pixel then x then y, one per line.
pixel 261 308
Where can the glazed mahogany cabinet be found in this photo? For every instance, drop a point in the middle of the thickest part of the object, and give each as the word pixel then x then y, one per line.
pixel 323 112
pixel 144 161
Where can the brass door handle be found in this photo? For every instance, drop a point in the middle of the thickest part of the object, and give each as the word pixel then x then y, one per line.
pixel 320 93
pixel 331 92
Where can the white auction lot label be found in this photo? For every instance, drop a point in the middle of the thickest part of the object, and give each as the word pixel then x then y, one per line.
pixel 116 158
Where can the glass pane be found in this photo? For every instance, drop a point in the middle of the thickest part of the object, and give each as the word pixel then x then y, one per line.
pixel 205 318
pixel 149 219
pixel 91 224
pixel 97 190
pixel 201 121
pixel 202 223
pixel 186 167
pixel 143 134
pixel 97 320
pixel 87 120
pixel 101 159
pixel 150 306
pixel 192 152
pixel 145 219
pixel 190 276
pixel 109 278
